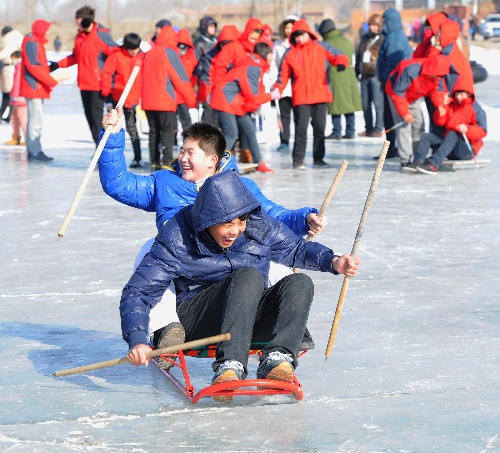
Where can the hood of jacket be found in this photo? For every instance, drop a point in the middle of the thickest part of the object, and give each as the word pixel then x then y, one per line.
pixel 205 22
pixel 228 33
pixel 40 28
pixel 183 37
pixel 392 21
pixel 464 84
pixel 436 20
pixel 301 25
pixel 449 32
pixel 326 26
pixel 222 198
pixel 435 66
pixel 251 25
pixel 167 37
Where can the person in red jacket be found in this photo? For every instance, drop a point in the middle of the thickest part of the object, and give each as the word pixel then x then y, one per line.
pixel 93 44
pixel 466 126
pixel 36 85
pixel 114 77
pixel 407 84
pixel 189 60
pixel 431 29
pixel 165 84
pixel 241 92
pixel 229 33
pixel 305 63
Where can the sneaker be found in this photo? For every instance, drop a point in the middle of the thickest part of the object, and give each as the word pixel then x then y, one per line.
pixel 365 134
pixel 428 168
pixel 263 168
pixel 333 136
pixel 155 166
pixel 136 164
pixel 320 164
pixel 283 147
pixel 349 136
pixel 170 335
pixel 40 157
pixel 230 370
pixel 300 166
pixel 276 366
pixel 410 168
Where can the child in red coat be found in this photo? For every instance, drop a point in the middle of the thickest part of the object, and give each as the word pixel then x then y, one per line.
pixel 465 123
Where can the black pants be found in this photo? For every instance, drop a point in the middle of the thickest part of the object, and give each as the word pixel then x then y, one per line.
pixel 388 123
pixel 285 106
pixel 131 126
pixel 93 106
pixel 161 136
pixel 240 305
pixel 210 115
pixel 301 114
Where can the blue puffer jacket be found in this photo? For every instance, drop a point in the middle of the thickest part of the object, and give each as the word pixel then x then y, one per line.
pixel 186 253
pixel 165 192
pixel 395 46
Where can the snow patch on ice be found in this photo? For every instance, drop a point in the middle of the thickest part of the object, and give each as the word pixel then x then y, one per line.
pixel 104 292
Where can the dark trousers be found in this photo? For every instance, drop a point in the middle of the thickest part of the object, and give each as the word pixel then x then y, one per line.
pixel 372 94
pixel 240 305
pixel 301 115
pixel 210 115
pixel 231 124
pixel 388 123
pixel 285 105
pixel 4 106
pixel 161 136
pixel 184 115
pixel 93 106
pixel 453 146
pixel 349 124
pixel 131 126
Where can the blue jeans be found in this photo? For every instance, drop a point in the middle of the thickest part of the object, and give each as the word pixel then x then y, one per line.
pixel 371 93
pixel 230 124
pixel 240 305
pixel 337 124
pixel 453 146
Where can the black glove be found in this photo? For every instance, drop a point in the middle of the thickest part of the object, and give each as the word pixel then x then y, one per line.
pixel 53 66
pixel 340 67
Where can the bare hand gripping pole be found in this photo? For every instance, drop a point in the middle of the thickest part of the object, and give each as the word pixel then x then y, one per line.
pixel 97 154
pixel 155 353
pixel 359 235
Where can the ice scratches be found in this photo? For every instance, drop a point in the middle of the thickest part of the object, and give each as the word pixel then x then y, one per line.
pixel 493 444
pixel 101 292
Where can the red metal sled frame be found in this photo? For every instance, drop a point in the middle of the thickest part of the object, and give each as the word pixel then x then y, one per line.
pixel 233 388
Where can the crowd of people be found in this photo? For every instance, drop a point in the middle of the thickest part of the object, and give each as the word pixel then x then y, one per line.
pixel 231 74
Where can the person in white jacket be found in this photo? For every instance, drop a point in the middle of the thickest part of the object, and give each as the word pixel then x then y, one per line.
pixel 11 40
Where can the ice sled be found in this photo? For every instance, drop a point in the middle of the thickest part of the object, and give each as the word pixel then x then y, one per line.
pixel 456 165
pixel 179 376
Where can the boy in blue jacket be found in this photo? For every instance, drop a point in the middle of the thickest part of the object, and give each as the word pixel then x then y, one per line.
pixel 218 253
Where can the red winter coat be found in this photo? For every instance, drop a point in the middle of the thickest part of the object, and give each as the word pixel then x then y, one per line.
pixel 416 78
pixel 236 52
pixel 469 113
pixel 307 67
pixel 164 76
pixel 116 73
pixel 90 53
pixel 241 90
pixel 189 59
pixel 36 81
pixel 228 33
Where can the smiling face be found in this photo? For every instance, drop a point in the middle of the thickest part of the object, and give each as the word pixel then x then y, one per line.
pixel 194 163
pixel 226 233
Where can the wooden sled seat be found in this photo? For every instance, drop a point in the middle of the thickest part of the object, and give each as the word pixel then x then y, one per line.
pixel 456 165
pixel 179 376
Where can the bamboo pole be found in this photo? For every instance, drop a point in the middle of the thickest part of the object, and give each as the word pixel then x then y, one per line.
pixel 96 156
pixel 155 353
pixel 357 240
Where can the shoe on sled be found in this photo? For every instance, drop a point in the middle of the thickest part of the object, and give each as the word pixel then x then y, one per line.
pixel 276 366
pixel 307 341
pixel 170 335
pixel 230 370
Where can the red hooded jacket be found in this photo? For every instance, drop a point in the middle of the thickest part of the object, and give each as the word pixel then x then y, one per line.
pixel 307 67
pixel 189 59
pixel 236 52
pixel 228 33
pixel 416 78
pixel 90 53
pixel 425 47
pixel 36 81
pixel 116 73
pixel 468 112
pixel 164 76
pixel 241 90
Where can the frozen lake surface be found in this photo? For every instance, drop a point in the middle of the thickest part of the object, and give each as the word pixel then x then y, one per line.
pixel 415 366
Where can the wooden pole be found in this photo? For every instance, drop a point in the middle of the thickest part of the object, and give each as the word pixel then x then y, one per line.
pixel 155 353
pixel 359 235
pixel 96 156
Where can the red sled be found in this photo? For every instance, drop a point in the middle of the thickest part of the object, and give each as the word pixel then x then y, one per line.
pixel 252 387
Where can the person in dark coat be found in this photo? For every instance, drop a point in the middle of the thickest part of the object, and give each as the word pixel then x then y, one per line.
pixel 226 224
pixel 393 50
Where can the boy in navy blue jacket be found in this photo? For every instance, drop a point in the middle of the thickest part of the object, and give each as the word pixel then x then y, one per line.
pixel 218 253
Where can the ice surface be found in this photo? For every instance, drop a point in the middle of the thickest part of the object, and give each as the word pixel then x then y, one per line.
pixel 415 366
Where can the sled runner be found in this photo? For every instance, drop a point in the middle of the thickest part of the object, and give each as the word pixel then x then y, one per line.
pixel 246 168
pixel 456 165
pixel 179 376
